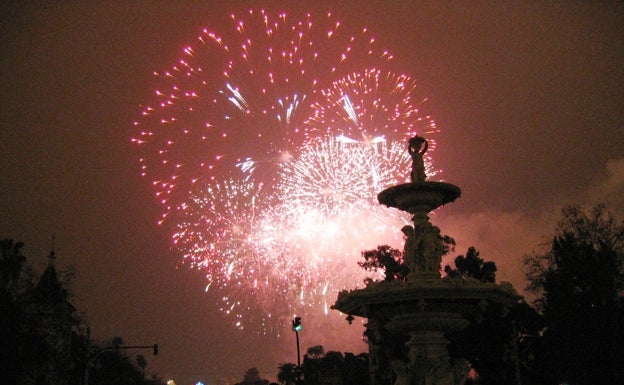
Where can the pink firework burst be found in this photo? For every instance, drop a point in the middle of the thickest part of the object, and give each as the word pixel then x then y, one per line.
pixel 266 145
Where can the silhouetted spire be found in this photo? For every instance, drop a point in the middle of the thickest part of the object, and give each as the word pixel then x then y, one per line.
pixel 49 289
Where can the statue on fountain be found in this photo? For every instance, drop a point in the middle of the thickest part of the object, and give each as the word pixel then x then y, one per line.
pixel 417 146
pixel 410 255
pixel 430 248
pixel 423 248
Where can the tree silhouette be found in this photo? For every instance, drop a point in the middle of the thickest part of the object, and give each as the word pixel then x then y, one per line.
pixel 13 268
pixel 579 282
pixel 387 259
pixel 335 367
pixel 114 367
pixel 252 376
pixel 142 363
pixel 12 316
pixel 315 352
pixel 472 266
pixel 287 374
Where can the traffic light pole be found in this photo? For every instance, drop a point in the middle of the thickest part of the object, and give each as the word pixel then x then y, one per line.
pixel 298 355
pixel 296 326
pixel 154 347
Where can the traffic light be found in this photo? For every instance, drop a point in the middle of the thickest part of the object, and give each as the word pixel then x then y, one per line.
pixel 155 349
pixel 296 324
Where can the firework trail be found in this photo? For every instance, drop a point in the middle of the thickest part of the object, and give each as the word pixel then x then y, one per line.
pixel 266 146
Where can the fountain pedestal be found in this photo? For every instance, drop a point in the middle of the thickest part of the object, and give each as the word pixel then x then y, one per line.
pixel 408 319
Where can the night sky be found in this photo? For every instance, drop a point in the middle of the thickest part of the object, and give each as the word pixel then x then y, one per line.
pixel 529 98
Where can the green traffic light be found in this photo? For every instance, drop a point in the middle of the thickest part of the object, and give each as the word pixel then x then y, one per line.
pixel 296 324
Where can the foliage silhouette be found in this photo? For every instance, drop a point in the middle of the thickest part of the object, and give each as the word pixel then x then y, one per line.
pixel 579 283
pixel 472 266
pixel 287 374
pixel 335 367
pixel 252 377
pixel 387 259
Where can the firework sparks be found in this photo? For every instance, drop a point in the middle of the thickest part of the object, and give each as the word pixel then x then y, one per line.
pixel 266 146
pixel 372 106
pixel 242 94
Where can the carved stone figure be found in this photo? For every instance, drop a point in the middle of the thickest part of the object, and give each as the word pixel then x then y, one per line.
pixel 417 146
pixel 461 368
pixel 430 248
pixel 441 372
pixel 401 372
pixel 419 366
pixel 410 249
pixel 423 248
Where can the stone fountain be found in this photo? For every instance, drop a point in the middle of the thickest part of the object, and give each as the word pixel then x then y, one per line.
pixel 408 320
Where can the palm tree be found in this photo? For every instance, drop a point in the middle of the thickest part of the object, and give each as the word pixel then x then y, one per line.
pixel 316 352
pixel 287 374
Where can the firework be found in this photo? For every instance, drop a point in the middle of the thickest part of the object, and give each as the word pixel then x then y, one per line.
pixel 266 146
pixel 242 94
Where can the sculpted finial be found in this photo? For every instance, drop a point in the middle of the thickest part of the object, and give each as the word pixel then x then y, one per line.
pixel 417 146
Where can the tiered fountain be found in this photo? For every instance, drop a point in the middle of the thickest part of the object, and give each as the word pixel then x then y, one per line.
pixel 408 319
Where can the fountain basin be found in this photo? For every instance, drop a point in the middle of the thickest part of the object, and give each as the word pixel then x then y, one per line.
pixel 419 196
pixel 387 300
